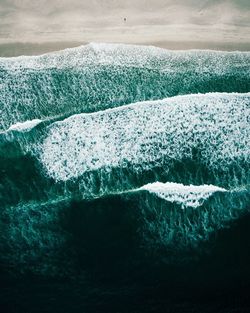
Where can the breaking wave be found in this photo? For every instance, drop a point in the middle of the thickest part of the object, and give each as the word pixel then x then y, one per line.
pixel 187 196
pixel 209 131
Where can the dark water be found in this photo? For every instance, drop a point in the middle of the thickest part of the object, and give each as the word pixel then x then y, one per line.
pixel 98 212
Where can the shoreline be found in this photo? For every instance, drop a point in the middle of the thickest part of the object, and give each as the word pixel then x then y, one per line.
pixel 32 27
pixel 14 49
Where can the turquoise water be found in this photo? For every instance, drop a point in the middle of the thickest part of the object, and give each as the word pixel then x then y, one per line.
pixel 124 166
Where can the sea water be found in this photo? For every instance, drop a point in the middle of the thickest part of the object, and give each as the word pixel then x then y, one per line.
pixel 124 174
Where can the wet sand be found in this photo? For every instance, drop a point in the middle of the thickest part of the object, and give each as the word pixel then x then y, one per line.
pixel 18 49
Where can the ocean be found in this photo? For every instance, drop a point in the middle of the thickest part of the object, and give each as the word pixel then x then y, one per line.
pixel 124 181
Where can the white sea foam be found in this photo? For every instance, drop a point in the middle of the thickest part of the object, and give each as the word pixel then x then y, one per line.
pixel 148 134
pixel 123 55
pixel 102 53
pixel 25 126
pixel 187 196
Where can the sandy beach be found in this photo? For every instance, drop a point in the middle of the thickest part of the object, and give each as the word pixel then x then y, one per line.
pixel 28 27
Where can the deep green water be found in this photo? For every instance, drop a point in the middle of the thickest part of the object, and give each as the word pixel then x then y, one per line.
pixel 87 134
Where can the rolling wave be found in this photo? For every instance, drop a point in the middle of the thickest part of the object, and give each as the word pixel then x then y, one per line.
pixel 207 130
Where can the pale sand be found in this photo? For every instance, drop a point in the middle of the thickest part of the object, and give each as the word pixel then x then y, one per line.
pixel 34 27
